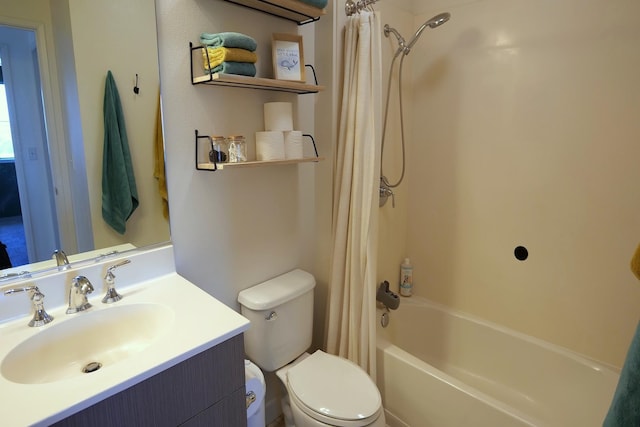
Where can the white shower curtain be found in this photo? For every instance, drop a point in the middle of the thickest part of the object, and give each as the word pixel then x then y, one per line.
pixel 351 325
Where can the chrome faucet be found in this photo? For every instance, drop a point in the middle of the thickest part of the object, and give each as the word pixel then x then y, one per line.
pixel 61 259
pixel 40 316
pixel 80 287
pixel 110 279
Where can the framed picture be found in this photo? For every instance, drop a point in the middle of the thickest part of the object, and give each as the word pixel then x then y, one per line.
pixel 288 57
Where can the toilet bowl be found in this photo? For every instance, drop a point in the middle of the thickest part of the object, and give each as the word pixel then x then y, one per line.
pixel 319 389
pixel 326 390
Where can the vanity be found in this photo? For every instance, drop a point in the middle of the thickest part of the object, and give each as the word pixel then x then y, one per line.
pixel 166 354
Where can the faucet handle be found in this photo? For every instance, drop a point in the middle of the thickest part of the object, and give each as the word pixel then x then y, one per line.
pixel 110 278
pixel 40 316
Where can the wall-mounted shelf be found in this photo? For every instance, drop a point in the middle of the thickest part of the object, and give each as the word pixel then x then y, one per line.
pixel 221 166
pixel 235 80
pixel 257 83
pixel 292 10
pixel 214 166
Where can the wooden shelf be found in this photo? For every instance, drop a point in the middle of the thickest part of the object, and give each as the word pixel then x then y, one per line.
pixel 221 166
pixel 292 10
pixel 234 80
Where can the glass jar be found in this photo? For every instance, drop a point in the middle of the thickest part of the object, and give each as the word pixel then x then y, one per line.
pixel 237 149
pixel 218 152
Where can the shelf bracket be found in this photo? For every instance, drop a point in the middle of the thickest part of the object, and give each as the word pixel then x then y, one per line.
pixel 212 158
pixel 314 143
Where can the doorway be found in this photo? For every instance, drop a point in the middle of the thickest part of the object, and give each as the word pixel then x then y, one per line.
pixel 28 229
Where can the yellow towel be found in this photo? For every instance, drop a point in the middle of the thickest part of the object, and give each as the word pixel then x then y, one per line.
pixel 218 55
pixel 635 262
pixel 158 167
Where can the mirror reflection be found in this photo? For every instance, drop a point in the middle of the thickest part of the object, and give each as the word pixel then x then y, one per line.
pixel 54 61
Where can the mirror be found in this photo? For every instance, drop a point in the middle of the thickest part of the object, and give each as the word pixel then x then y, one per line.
pixel 60 77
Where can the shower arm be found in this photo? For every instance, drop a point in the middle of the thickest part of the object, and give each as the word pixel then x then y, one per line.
pixel 402 44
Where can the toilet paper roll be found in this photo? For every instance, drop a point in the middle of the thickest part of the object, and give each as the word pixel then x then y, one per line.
pixel 293 148
pixel 270 145
pixel 278 116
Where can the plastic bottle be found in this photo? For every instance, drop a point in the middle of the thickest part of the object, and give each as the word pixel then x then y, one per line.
pixel 406 278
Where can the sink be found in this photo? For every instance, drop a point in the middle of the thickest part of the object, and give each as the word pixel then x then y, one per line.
pixel 86 344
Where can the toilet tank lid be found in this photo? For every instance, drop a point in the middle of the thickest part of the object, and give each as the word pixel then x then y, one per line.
pixel 276 291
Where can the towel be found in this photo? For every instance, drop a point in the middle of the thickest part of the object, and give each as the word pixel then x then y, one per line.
pixel 228 39
pixel 625 407
pixel 635 262
pixel 214 56
pixel 240 68
pixel 158 167
pixel 119 193
pixel 320 4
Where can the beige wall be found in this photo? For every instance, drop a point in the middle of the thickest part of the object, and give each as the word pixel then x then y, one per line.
pixel 525 132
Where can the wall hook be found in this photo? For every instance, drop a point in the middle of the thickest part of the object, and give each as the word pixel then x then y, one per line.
pixel 136 89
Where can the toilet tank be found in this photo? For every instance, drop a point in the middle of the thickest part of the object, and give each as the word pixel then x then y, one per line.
pixel 281 315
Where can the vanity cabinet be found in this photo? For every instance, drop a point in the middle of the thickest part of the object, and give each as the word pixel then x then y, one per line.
pixel 207 389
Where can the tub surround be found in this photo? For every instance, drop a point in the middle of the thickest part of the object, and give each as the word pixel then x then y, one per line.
pixel 149 279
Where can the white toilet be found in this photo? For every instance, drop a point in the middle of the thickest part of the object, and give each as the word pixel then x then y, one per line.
pixel 321 389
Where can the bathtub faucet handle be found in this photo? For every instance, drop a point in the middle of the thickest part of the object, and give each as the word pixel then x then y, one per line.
pixel 386 297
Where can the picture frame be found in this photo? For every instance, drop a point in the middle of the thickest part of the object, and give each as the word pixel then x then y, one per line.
pixel 288 57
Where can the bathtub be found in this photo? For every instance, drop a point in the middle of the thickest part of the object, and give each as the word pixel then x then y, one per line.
pixel 450 369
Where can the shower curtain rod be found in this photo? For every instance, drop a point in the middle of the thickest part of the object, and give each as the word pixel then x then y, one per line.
pixel 352 7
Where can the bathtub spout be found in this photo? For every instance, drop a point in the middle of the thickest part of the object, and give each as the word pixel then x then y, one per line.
pixel 386 297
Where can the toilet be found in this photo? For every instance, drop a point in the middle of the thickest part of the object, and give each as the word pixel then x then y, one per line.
pixel 320 389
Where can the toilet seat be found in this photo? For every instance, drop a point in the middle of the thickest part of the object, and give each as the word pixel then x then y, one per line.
pixel 334 391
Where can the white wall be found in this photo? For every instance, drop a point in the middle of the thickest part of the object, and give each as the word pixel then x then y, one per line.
pixel 526 133
pixel 232 228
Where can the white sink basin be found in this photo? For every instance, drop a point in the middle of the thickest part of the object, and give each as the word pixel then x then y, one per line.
pixel 103 337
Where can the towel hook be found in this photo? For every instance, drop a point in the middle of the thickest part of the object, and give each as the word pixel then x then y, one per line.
pixel 136 89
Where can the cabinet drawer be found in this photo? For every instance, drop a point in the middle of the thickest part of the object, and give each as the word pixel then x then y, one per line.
pixel 230 411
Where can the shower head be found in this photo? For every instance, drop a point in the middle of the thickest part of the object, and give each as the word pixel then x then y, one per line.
pixel 434 22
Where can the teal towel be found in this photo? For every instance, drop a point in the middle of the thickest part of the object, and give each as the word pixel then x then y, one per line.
pixel 119 193
pixel 228 39
pixel 320 4
pixel 625 407
pixel 240 68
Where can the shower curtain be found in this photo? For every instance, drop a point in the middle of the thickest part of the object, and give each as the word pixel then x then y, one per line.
pixel 351 328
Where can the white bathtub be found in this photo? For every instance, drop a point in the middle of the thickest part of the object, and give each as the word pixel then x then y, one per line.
pixel 441 368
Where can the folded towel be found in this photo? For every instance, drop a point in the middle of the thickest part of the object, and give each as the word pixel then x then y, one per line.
pixel 228 39
pixel 320 4
pixel 625 407
pixel 240 68
pixel 119 193
pixel 214 56
pixel 635 262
